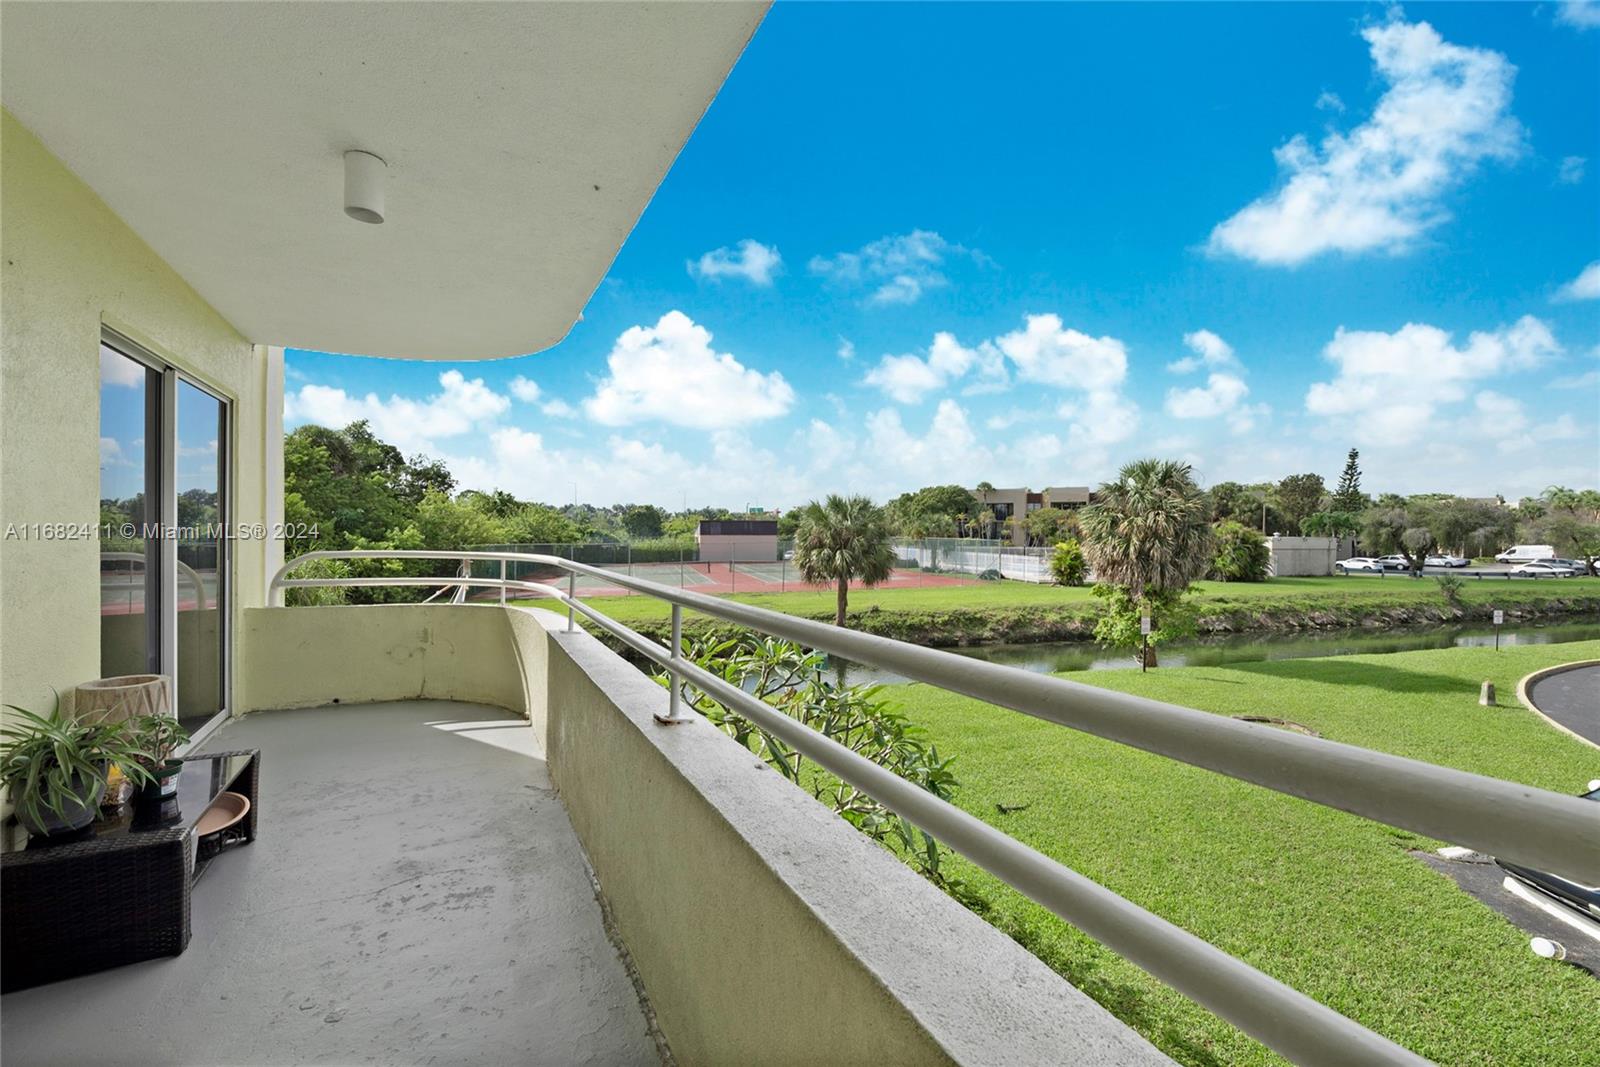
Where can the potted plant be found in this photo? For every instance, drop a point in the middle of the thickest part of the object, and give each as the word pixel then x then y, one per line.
pixel 55 766
pixel 155 737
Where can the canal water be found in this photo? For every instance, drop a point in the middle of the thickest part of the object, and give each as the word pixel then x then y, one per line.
pixel 1216 651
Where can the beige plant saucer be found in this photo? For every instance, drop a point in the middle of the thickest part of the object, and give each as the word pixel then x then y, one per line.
pixel 224 811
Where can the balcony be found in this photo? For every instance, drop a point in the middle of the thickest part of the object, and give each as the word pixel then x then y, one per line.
pixel 450 792
pixel 418 895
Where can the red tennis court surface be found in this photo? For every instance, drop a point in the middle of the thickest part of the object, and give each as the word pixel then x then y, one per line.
pixel 722 578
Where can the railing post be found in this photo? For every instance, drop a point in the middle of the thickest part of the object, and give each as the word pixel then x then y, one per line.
pixel 675 712
pixel 502 583
pixel 572 592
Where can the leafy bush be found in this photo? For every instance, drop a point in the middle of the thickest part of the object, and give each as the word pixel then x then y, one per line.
pixel 1172 615
pixel 318 597
pixel 1450 586
pixel 796 682
pixel 990 575
pixel 1241 554
pixel 1068 564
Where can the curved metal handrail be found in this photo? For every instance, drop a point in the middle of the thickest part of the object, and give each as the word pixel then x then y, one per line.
pixel 188 571
pixel 1534 827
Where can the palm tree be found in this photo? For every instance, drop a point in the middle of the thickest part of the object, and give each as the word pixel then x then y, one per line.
pixel 1148 532
pixel 841 539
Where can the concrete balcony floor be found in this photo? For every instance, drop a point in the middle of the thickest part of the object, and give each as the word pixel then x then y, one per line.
pixel 416 895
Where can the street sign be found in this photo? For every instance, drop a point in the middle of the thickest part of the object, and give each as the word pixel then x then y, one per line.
pixel 1499 617
pixel 1144 624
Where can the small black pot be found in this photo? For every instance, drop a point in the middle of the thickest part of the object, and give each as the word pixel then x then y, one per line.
pixel 166 781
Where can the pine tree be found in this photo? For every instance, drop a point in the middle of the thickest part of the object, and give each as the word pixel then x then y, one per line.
pixel 1349 497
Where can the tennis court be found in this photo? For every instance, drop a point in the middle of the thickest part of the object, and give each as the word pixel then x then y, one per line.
pixel 720 578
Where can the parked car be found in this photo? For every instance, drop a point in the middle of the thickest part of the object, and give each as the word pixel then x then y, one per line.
pixel 1395 562
pixel 1446 560
pixel 1544 568
pixel 1357 563
pixel 1578 566
pixel 1526 553
pixel 1576 904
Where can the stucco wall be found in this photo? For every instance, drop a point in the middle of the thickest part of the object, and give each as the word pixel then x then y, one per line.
pixel 68 265
pixel 764 927
pixel 1294 557
pixel 362 654
pixel 742 548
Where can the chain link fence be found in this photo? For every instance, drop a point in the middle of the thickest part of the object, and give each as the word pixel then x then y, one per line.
pixel 928 562
pixel 975 556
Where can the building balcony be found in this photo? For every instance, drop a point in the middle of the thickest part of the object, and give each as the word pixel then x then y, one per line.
pixel 478 843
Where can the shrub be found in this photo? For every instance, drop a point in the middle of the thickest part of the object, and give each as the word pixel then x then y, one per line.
pixel 990 575
pixel 1241 554
pixel 797 682
pixel 317 596
pixel 1067 564
pixel 1450 586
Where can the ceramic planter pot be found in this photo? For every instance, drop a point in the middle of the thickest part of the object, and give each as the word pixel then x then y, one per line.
pixel 127 696
pixel 78 809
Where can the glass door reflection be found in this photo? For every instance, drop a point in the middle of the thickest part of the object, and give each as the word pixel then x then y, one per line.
pixel 202 554
pixel 130 501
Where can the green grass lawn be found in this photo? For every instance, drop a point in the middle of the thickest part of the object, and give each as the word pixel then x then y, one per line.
pixel 1327 902
pixel 989 596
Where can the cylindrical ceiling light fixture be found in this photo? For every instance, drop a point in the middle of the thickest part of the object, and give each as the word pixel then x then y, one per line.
pixel 363 186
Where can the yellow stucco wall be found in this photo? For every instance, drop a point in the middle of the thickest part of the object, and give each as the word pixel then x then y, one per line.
pixel 68 265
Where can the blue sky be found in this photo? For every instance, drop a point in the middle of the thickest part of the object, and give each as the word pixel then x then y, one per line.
pixel 918 244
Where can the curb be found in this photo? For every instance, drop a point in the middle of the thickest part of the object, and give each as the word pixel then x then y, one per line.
pixel 1527 683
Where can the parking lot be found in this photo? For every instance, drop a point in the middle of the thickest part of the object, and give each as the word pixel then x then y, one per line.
pixel 1487 570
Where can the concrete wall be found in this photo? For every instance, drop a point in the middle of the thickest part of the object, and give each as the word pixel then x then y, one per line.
pixel 745 548
pixel 1302 556
pixel 765 928
pixel 69 266
pixel 362 654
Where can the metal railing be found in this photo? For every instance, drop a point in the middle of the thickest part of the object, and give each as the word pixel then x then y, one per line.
pixel 1532 827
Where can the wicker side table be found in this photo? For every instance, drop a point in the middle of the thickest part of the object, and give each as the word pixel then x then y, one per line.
pixel 119 893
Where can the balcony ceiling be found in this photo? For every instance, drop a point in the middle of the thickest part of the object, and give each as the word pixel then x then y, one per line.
pixel 523 142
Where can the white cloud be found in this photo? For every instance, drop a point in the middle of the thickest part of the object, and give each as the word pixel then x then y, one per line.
pixel 1104 417
pixel 525 389
pixel 1585 380
pixel 112 455
pixel 908 378
pixel 847 349
pixel 1389 385
pixel 1045 351
pixel 900 268
pixel 1329 101
pixel 559 409
pixel 1584 14
pixel 461 405
pixel 669 372
pixel 753 261
pixel 1571 170
pixel 1221 393
pixel 117 369
pixel 1379 187
pixel 1586 286
pixel 1209 351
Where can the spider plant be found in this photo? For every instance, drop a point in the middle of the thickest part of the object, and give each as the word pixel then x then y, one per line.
pixel 56 765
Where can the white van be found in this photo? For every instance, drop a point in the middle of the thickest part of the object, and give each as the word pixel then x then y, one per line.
pixel 1526 553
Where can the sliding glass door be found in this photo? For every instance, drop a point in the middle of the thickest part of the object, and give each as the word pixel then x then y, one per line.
pixel 130 510
pixel 202 553
pixel 164 522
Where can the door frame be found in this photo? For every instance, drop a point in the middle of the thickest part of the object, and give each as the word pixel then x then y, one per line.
pixel 161 456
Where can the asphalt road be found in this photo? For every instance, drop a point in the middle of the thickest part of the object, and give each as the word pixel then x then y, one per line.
pixel 1571 698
